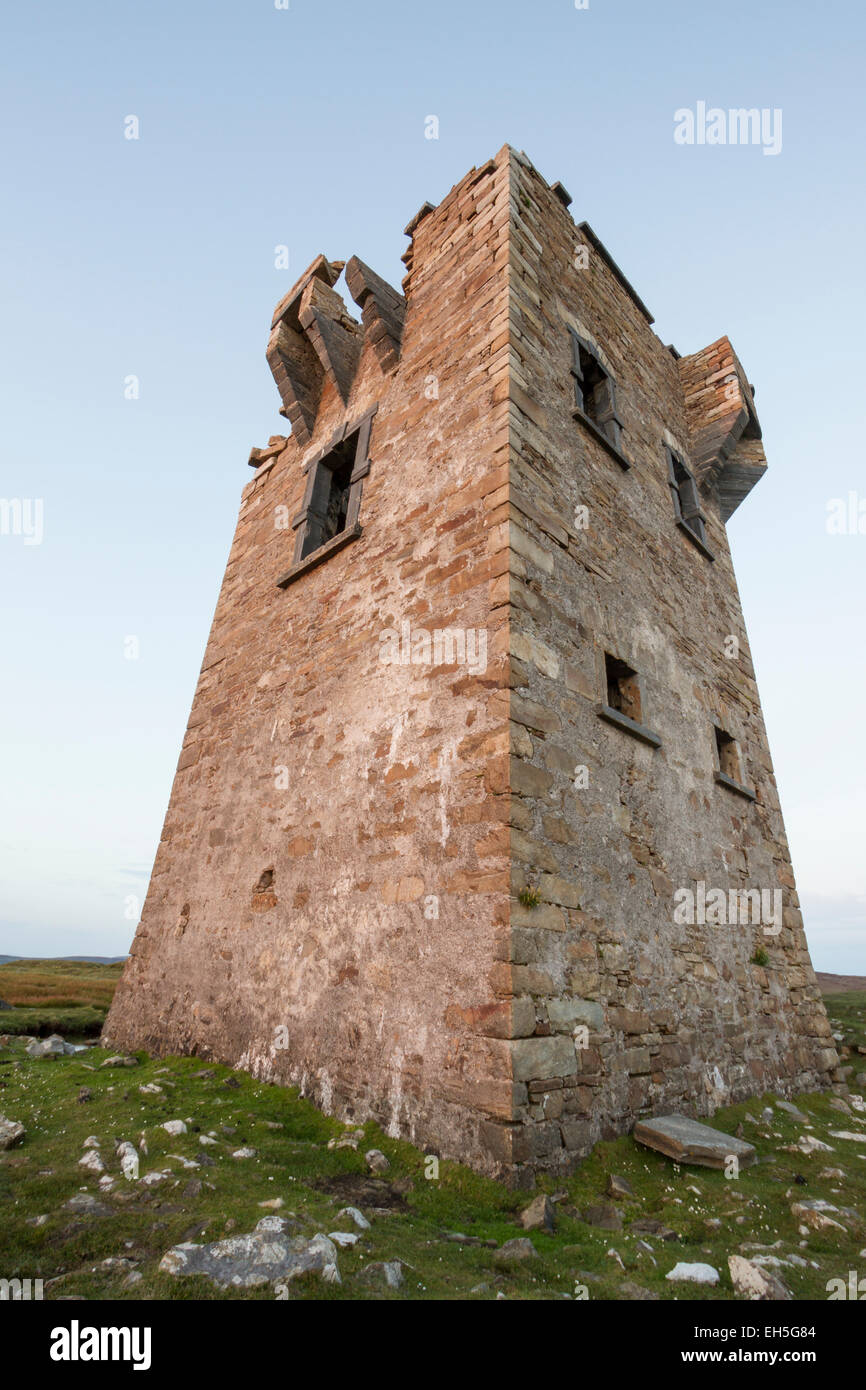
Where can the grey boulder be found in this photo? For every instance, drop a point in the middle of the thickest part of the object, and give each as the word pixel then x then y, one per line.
pixel 55 1046
pixel 266 1256
pixel 11 1133
pixel 688 1141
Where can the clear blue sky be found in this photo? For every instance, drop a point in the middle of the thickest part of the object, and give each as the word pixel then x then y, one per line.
pixel 261 127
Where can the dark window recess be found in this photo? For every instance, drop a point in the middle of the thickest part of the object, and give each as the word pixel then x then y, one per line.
pixel 728 755
pixel 329 503
pixel 687 502
pixel 328 518
pixel 594 391
pixel 623 688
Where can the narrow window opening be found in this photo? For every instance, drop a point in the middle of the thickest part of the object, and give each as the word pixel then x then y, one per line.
pixel 686 498
pixel 332 502
pixel 595 392
pixel 728 755
pixel 623 688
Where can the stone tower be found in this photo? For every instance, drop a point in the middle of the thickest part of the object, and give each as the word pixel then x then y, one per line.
pixel 475 830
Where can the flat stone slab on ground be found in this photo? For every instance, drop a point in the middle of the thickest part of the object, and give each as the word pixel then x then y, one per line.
pixel 688 1141
pixel 263 1257
pixel 698 1273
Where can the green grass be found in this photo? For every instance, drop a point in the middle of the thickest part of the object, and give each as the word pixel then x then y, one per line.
pixel 295 1164
pixel 847 1014
pixel 56 996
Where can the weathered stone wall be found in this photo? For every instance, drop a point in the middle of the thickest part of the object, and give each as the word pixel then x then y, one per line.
pixel 336 897
pixel 677 1016
pixel 397 795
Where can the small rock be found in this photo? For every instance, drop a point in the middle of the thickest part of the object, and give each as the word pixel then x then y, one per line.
pixel 128 1155
pixel 355 1216
pixel 604 1215
pixel 91 1142
pixel 635 1292
pixel 540 1215
pixel 55 1046
pixel 648 1226
pixel 92 1162
pixel 515 1251
pixel 391 1271
pixel 155 1178
pixel 205 1139
pixel 275 1223
pixel 151 1089
pixel 693 1274
pixel 83 1204
pixel 808 1144
pixel 756 1283
pixel 245 1153
pixel 345 1141
pixel 814 1214
pixel 837 1103
pixel 345 1239
pixel 376 1161
pixel 12 1132
pixel 791 1110
pixel 174 1127
pixel 273 1204
pixel 618 1187
pixel 120 1061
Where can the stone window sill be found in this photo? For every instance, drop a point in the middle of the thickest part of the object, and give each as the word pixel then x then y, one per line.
pixel 578 414
pixel 630 726
pixel 695 540
pixel 725 781
pixel 318 557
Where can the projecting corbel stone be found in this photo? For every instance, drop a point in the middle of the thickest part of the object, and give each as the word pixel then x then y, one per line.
pixel 725 448
pixel 336 338
pixel 383 311
pixel 291 357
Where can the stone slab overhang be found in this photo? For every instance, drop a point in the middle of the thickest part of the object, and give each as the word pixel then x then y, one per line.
pixel 725 434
